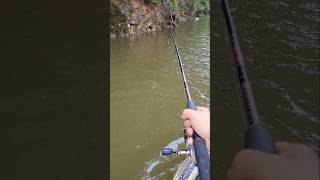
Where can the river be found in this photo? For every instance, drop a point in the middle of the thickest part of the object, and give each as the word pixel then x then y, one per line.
pixel 147 97
pixel 280 44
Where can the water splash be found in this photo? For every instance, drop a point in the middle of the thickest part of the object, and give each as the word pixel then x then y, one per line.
pixel 151 170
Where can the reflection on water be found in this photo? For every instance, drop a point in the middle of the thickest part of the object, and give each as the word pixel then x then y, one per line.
pixel 147 97
pixel 280 42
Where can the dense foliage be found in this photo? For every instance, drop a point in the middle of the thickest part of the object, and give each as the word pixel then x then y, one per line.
pixel 156 1
pixel 197 6
pixel 174 6
pixel 201 6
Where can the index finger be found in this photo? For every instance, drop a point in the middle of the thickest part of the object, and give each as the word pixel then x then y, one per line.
pixel 187 114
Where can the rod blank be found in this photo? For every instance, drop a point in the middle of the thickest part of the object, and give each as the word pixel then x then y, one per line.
pixel 200 149
pixel 257 136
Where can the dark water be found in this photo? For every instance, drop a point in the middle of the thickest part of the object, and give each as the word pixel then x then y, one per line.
pixel 147 97
pixel 280 44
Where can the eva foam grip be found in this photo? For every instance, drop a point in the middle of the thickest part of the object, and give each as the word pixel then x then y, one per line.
pixel 191 105
pixel 201 152
pixel 203 159
pixel 258 138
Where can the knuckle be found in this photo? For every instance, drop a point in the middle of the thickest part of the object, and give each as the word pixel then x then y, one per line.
pixel 187 112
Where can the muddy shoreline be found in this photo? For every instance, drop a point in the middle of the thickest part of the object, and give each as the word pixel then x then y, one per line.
pixel 131 17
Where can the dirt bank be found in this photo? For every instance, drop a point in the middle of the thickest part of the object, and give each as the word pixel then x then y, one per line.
pixel 129 17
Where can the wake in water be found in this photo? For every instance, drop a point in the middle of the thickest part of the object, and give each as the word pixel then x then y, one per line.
pixel 295 109
pixel 162 165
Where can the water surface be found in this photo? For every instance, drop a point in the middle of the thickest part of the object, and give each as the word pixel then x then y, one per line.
pixel 280 44
pixel 147 97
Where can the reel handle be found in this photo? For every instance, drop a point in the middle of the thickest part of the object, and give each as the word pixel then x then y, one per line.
pixel 166 151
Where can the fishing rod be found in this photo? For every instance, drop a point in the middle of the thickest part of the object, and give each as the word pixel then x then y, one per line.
pixel 199 146
pixel 257 136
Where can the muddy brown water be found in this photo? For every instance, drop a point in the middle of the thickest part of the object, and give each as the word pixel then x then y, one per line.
pixel 147 97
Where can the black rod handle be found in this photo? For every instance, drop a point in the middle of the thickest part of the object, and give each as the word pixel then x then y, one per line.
pixel 200 149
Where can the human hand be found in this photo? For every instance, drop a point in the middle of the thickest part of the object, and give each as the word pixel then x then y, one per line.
pixel 198 120
pixel 294 162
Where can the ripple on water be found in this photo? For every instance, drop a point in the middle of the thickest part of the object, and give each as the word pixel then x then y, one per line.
pixel 274 85
pixel 298 36
pixel 295 109
pixel 311 138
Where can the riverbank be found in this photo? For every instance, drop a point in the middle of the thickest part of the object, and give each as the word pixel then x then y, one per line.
pixel 130 17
